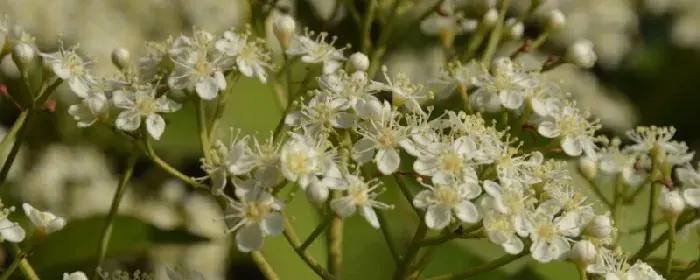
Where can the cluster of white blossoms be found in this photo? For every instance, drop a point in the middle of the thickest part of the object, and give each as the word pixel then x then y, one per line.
pixel 474 173
pixel 44 222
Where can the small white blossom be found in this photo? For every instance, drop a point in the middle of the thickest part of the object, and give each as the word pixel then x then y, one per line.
pixel 448 161
pixel 383 135
pixel 9 230
pixel 403 91
pixel 671 202
pixel 658 143
pixel 45 221
pixel 316 51
pixel 256 216
pixel 320 115
pixel 507 86
pixel 443 202
pixel 226 160
pixel 358 62
pixel 689 178
pixel 513 201
pixel 68 65
pixel 304 159
pixel 250 56
pixel 78 275
pixel 90 110
pixel 283 28
pixel 501 231
pixel 550 236
pixel 583 252
pixel 198 66
pixel 571 126
pixel 600 227
pixel 360 196
pixel 142 103
pixel 581 54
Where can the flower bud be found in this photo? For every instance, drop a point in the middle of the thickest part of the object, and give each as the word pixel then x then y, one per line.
pixel 671 202
pixel 490 18
pixel 581 54
pixel 283 28
pixel 121 58
pixel 583 253
pixel 588 167
pixel 469 25
pixel 317 193
pixel 23 54
pixel 556 19
pixel 358 62
pixel 600 227
pixel 514 28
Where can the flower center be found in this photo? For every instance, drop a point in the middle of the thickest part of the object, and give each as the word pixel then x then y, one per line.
pixel 386 138
pixel 146 106
pixel 256 212
pixel 451 162
pixel 299 163
pixel 446 195
pixel 546 230
pixel 359 194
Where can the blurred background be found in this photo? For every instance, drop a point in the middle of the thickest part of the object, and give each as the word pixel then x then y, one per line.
pixel 648 72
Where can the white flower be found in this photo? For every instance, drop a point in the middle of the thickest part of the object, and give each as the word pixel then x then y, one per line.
pixel 303 159
pixel 383 135
pixel 600 227
pixel 316 51
pixel 45 221
pixel 576 211
pixel 616 268
pixel 320 115
pixel 658 143
pixel 501 231
pixel 256 216
pixel 583 252
pixel 350 91
pixel 441 202
pixel 448 161
pixel 572 128
pixel 522 168
pixel 513 201
pixel 456 76
pixel 142 103
pixel 90 110
pixel 250 55
pixel 615 161
pixel 690 181
pixel 360 195
pixel 67 65
pixel 508 86
pixel 549 235
pixel 183 275
pixel 671 202
pixel 78 275
pixel 11 231
pixel 233 159
pixel 581 54
pixel 403 91
pixel 197 66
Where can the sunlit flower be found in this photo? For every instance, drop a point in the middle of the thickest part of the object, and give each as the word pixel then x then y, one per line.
pixel 142 103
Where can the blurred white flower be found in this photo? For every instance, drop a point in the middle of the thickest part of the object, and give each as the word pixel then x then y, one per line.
pixel 45 222
pixel 78 275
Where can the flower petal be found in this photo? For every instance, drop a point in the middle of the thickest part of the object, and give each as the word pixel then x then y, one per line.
pixel 155 124
pixel 207 88
pixel 273 224
pixel 128 120
pixel 368 213
pixel 437 216
pixel 343 206
pixel 249 238
pixel 10 231
pixel 388 160
pixel 467 212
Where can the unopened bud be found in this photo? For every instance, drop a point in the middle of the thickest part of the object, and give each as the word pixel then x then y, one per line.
pixel 283 28
pixel 23 54
pixel 514 28
pixel 121 58
pixel 317 193
pixel 469 25
pixel 556 19
pixel 583 253
pixel 671 202
pixel 588 167
pixel 581 54
pixel 600 227
pixel 490 18
pixel 358 62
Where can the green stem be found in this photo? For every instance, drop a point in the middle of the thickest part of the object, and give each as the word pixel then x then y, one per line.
pixel 222 103
pixel 14 130
pixel 402 269
pixel 689 271
pixel 386 232
pixel 406 192
pixel 482 269
pixel 653 200
pixel 202 129
pixel 150 152
pixel 671 246
pixel 475 42
pixel 353 11
pixel 21 261
pixel 652 246
pixel 114 209
pixel 596 189
pixel 264 266
pixel 452 235
pixel 422 263
pixel 617 206
pixel 293 240
pixel 13 266
pixel 335 247
pixel 14 151
pixel 316 233
pixel 379 49
pixel 370 9
pixel 582 273
pixel 496 33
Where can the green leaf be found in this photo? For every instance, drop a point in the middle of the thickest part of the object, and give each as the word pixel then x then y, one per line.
pixel 78 241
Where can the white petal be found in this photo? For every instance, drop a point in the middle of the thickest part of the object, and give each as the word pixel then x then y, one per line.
pixel 128 120
pixel 571 146
pixel 540 251
pixel 55 225
pixel 273 224
pixel 343 120
pixel 426 167
pixel 422 199
pixel 122 99
pixel 207 88
pixel 437 216
pixel 539 107
pixel 511 100
pixel 155 124
pixel 343 206
pixel 467 212
pixel 363 150
pixel 492 188
pixel 692 197
pixel 220 80
pixel 249 238
pixel 513 246
pixel 388 160
pixel 369 214
pixel 548 129
pixel 317 192
pixel 79 86
pixel 10 231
